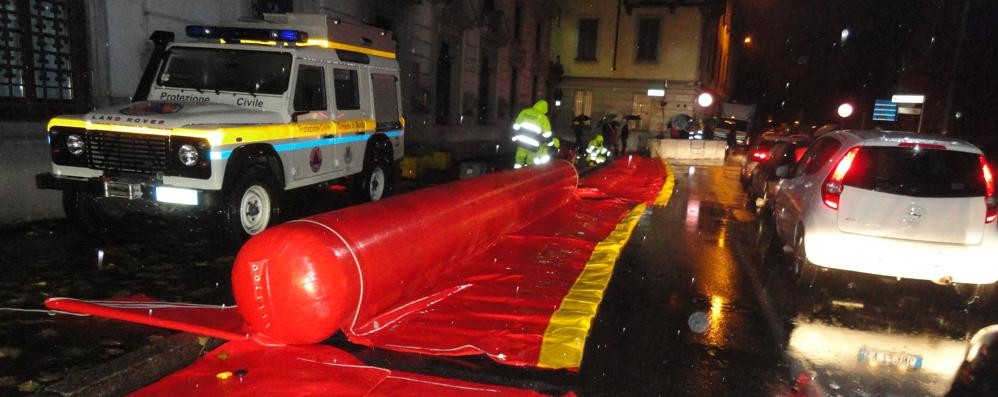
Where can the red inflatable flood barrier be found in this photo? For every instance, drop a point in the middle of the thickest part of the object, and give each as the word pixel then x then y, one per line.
pixel 362 268
pixel 511 265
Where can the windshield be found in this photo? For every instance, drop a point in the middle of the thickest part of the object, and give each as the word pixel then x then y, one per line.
pixel 212 69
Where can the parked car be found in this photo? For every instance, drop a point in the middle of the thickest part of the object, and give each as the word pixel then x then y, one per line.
pixel 978 373
pixel 759 151
pixel 893 204
pixel 763 181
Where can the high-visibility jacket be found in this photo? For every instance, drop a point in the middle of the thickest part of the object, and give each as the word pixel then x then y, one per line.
pixel 532 129
pixel 596 152
pixel 547 152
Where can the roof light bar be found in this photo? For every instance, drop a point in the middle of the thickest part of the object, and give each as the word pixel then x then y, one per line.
pixel 238 34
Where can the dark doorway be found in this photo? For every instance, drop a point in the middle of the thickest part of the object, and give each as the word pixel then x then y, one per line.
pixel 445 62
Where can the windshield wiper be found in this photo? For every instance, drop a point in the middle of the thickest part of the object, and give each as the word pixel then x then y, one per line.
pixel 185 80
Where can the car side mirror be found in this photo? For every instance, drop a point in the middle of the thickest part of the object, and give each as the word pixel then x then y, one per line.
pixel 782 171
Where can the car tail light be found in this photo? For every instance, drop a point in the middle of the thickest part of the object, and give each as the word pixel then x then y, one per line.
pixel 832 188
pixel 759 155
pixel 989 192
pixel 799 152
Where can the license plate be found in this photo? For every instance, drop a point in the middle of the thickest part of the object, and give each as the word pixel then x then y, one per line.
pixel 877 357
pixel 129 191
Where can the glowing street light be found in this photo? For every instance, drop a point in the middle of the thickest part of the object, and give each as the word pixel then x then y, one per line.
pixel 845 110
pixel 705 99
pixel 747 40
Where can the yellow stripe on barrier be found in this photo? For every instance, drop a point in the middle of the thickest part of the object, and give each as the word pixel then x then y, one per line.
pixel 670 184
pixel 565 337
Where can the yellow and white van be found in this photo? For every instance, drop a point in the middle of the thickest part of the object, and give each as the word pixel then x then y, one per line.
pixel 234 118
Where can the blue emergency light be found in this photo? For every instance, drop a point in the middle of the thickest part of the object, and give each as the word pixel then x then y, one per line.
pixel 237 34
pixel 292 36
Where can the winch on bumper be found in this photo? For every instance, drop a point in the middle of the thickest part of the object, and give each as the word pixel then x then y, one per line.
pixel 142 190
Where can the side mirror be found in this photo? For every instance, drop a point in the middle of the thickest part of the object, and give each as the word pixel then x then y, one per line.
pixel 782 171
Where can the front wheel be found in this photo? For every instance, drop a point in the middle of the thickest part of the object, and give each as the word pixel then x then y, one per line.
pixel 251 204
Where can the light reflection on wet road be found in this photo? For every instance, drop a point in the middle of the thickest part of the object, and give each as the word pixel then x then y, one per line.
pixel 705 258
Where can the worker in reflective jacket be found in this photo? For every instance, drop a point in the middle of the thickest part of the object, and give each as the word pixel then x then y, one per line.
pixel 596 152
pixel 532 134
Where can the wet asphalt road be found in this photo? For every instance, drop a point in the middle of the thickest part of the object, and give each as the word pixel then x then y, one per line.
pixel 701 304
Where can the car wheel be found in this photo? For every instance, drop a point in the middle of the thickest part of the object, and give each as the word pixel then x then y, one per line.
pixel 979 295
pixel 251 204
pixel 83 211
pixel 376 181
pixel 804 271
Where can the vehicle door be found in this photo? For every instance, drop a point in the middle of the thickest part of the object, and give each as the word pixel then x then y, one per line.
pixel 805 177
pixel 353 116
pixel 313 145
pixel 387 114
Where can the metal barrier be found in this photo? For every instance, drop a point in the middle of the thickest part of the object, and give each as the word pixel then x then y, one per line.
pixel 687 149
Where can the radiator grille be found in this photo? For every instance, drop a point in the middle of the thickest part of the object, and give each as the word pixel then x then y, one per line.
pixel 116 151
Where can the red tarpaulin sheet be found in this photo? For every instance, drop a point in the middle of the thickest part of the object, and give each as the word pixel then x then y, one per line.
pixel 527 299
pixel 252 370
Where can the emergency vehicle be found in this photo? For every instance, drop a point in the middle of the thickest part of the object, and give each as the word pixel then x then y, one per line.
pixel 234 118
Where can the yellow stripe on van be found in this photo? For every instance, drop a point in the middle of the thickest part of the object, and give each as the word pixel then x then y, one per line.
pixel 224 135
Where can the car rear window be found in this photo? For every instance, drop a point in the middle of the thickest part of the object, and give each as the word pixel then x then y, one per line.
pixel 917 173
pixel 764 145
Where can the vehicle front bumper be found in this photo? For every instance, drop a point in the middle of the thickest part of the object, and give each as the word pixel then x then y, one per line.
pixel 145 189
pixel 907 259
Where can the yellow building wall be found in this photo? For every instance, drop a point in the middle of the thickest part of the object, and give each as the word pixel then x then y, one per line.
pixel 679 41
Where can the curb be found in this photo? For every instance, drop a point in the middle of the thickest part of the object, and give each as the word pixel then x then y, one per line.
pixel 134 369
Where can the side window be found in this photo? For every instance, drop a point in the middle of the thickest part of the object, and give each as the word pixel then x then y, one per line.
pixel 823 150
pixel 347 90
pixel 386 104
pixel 805 160
pixel 310 91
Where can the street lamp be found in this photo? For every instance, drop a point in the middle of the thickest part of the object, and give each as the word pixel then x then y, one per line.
pixel 747 40
pixel 705 100
pixel 845 110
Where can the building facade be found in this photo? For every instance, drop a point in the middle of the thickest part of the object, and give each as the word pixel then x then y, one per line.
pixel 618 57
pixel 468 67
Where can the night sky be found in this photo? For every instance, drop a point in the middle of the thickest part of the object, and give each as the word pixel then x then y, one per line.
pixel 808 56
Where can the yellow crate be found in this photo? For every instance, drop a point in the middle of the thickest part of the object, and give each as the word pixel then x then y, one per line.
pixel 438 161
pixel 411 167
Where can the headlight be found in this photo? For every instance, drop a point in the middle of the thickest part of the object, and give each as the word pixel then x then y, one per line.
pixel 188 155
pixel 74 143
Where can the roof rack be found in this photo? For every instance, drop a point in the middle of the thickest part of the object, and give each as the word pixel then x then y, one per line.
pixel 303 30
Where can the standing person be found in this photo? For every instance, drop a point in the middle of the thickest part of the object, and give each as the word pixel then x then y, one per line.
pixel 625 130
pixel 579 124
pixel 532 132
pixel 608 130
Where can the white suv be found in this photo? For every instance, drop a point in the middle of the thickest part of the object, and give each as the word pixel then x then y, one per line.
pixel 893 204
